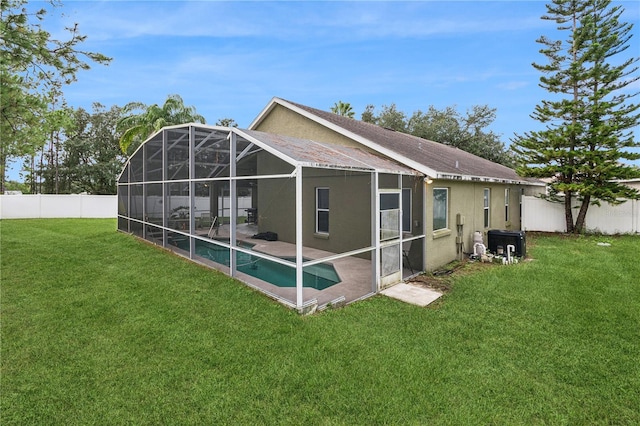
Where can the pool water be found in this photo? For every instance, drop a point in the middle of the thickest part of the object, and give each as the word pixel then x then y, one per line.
pixel 318 276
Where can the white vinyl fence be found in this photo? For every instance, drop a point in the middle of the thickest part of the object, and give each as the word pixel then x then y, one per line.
pixel 98 206
pixel 58 206
pixel 542 215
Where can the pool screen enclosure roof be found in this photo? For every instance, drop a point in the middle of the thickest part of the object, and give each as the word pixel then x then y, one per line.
pixel 181 166
pixel 309 153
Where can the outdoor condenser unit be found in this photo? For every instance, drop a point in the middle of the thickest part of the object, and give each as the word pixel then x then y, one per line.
pixel 502 239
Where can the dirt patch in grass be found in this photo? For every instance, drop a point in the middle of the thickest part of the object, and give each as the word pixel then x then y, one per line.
pixel 442 279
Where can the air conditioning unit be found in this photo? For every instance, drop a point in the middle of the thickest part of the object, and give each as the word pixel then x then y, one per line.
pixel 498 240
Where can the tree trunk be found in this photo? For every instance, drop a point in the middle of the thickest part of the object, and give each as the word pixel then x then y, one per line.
pixel 582 214
pixel 568 212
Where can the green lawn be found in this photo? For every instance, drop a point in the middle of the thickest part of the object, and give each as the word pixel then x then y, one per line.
pixel 100 328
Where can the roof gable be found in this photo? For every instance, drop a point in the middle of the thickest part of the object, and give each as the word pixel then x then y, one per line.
pixel 431 158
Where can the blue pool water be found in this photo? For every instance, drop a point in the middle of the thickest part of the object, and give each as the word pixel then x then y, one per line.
pixel 318 276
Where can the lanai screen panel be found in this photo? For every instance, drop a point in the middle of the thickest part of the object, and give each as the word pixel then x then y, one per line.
pixel 153 159
pixel 211 153
pixel 177 205
pixel 123 204
pixel 136 164
pixel 153 203
pixel 177 154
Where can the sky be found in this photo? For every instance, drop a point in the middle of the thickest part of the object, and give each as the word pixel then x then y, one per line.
pixel 229 59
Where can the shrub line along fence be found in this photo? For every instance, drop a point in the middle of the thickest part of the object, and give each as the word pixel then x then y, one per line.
pixel 537 214
pixel 39 206
pixel 542 215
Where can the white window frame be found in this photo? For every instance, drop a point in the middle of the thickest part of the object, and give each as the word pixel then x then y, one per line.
pixel 486 210
pixel 318 210
pixel 507 194
pixel 407 201
pixel 446 205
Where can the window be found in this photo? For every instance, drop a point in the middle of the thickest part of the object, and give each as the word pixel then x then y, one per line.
pixel 487 206
pixel 506 204
pixel 322 210
pixel 406 210
pixel 521 195
pixel 440 208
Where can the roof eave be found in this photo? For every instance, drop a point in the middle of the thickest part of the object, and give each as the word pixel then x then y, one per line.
pixel 473 178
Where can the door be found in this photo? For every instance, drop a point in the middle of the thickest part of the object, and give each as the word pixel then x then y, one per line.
pixel 390 229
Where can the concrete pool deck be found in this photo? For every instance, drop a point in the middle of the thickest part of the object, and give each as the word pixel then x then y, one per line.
pixel 355 273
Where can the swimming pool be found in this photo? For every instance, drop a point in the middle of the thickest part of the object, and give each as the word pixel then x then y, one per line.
pixel 320 276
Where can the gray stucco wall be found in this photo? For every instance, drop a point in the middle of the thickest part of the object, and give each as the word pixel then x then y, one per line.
pixel 349 206
pixel 467 199
pixel 283 121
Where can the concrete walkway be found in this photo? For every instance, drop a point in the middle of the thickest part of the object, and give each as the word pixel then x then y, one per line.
pixel 412 294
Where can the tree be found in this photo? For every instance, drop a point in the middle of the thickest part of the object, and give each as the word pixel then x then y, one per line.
pixel 92 155
pixel 87 156
pixel 368 115
pixel 391 118
pixel 343 108
pixel 56 122
pixel 447 126
pixel 32 63
pixel 12 185
pixel 140 121
pixel 226 122
pixel 588 121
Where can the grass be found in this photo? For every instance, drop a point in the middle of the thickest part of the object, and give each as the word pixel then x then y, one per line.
pixel 100 328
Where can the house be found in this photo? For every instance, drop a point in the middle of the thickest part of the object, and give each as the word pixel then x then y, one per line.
pixel 312 208
pixel 463 193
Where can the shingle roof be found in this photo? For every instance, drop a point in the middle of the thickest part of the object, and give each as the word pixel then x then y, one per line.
pixel 447 162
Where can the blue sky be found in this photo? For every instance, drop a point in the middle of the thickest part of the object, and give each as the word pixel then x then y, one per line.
pixel 228 59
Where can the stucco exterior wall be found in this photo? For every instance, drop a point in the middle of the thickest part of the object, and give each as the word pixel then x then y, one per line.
pixel 467 199
pixel 283 121
pixel 349 210
pixel 349 206
pixel 276 198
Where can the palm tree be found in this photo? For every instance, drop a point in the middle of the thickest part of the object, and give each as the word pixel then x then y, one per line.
pixel 343 108
pixel 136 127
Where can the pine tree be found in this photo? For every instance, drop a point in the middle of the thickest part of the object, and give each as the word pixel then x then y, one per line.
pixel 589 121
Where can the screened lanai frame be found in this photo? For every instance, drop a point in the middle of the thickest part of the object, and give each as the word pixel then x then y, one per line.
pixel 173 165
